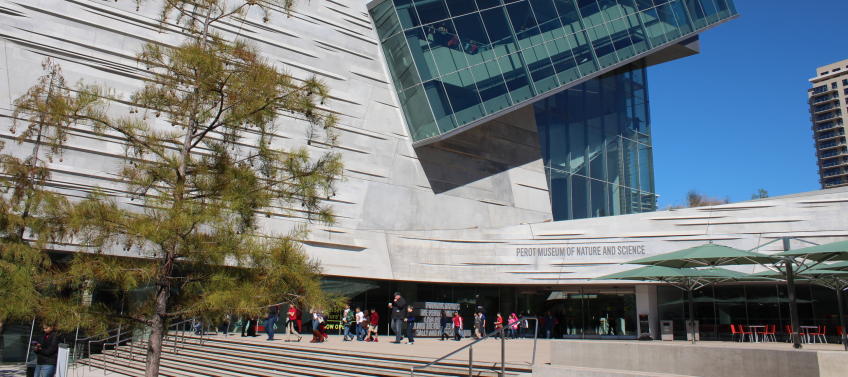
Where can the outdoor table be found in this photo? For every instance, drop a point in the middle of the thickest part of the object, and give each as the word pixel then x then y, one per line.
pixel 753 330
pixel 806 330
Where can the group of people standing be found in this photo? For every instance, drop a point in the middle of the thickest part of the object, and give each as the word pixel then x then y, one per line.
pixel 363 326
pixel 360 325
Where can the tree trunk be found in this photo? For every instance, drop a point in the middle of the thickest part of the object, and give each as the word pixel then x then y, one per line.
pixel 157 333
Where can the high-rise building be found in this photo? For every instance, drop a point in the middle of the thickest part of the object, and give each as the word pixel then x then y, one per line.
pixel 829 113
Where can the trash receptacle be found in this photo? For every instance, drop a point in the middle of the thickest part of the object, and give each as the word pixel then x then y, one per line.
pixel 697 330
pixel 667 330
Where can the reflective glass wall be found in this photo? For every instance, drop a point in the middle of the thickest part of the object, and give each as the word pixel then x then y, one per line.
pixel 596 146
pixel 456 61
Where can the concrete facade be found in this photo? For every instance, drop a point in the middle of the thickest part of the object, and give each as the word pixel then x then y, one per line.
pixel 471 209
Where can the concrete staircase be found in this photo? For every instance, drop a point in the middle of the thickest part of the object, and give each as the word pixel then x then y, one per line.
pixel 230 357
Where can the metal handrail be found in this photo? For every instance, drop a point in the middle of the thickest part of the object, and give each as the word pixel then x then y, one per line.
pixel 503 348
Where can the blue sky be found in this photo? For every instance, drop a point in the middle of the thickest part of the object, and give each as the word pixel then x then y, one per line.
pixel 734 118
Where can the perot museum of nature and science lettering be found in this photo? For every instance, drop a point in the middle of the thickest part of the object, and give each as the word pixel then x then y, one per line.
pixel 497 153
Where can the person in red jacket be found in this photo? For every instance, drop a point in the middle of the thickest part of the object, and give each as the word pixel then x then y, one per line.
pixel 372 326
pixel 457 327
pixel 293 319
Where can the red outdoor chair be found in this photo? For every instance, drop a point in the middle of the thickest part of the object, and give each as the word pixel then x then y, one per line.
pixel 819 334
pixel 770 332
pixel 740 330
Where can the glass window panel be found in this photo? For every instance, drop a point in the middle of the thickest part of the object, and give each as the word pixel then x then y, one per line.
pixel 591 12
pixel 524 24
pixel 653 26
pixel 631 156
pixel 579 197
pixel 669 21
pixel 464 99
pixel 614 200
pixel 560 198
pixel 610 9
pixel 474 38
pixel 541 71
pixel 646 176
pixel 483 4
pixel 460 7
pixel 497 26
pixel 407 14
pixel 417 112
pixel 603 46
pixel 637 34
pixel 431 10
pixel 400 62
pixel 385 20
pixel 441 107
pixel 491 86
pixel 596 149
pixel 696 12
pixel 516 77
pixel 627 6
pixel 546 15
pixel 577 147
pixel 598 198
pixel 419 47
pixel 582 53
pixel 447 48
pixel 621 38
pixel 563 60
pixel 644 4
pixel 613 161
pixel 569 16
pixel 710 10
pixel 682 17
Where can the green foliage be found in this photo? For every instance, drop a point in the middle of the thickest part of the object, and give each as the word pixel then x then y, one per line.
pixel 760 194
pixel 33 218
pixel 204 169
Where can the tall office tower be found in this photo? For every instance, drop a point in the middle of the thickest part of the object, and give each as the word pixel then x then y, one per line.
pixel 828 100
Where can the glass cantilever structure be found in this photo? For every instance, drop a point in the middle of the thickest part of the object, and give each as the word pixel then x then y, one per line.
pixel 456 64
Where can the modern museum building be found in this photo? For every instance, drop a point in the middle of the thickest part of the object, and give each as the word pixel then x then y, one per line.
pixel 497 153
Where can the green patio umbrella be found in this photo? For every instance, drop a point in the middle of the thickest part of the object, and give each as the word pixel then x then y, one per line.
pixel 822 275
pixel 705 255
pixel 838 266
pixel 687 279
pixel 835 251
pixel 836 280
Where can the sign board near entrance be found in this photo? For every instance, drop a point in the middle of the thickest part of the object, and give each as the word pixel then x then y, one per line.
pixel 633 249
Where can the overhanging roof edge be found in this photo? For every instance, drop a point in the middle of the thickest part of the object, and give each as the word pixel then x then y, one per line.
pixel 672 44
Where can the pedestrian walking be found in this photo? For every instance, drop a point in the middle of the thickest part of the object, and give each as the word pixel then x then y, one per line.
pixel 499 324
pixel 361 324
pixel 478 323
pixel 457 327
pixel 445 324
pixel 348 321
pixel 292 328
pixel 410 324
pixel 46 349
pixel 513 326
pixel 271 321
pixel 398 307
pixel 374 321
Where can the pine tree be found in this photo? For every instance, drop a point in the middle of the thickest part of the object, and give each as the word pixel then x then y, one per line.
pixel 205 169
pixel 34 218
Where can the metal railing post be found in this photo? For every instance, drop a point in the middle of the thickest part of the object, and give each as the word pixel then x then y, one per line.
pixel 29 344
pixel 535 340
pixel 503 354
pixel 470 361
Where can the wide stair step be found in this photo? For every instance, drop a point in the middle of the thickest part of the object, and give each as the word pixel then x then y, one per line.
pixel 230 358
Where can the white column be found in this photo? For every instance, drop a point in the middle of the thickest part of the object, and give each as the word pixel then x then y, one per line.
pixel 646 304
